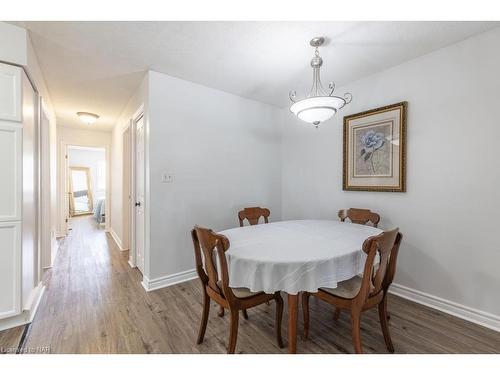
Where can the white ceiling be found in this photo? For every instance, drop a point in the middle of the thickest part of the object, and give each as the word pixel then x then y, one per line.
pixel 96 66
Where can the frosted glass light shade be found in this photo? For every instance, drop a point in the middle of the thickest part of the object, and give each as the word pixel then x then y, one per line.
pixel 87 117
pixel 317 109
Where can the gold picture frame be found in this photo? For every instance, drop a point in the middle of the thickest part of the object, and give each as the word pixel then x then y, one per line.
pixel 73 211
pixel 374 149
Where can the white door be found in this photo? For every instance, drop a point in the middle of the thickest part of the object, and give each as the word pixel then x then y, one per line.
pixel 10 268
pixel 65 168
pixel 127 184
pixel 30 192
pixel 10 218
pixel 11 189
pixel 45 225
pixel 139 193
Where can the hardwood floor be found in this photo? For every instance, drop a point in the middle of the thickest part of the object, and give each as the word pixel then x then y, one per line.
pixel 10 340
pixel 94 303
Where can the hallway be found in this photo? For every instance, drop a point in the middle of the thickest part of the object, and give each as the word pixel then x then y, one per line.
pixel 94 303
pixel 85 295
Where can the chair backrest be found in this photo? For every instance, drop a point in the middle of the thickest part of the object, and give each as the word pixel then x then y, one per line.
pixel 359 216
pixel 253 214
pixel 209 252
pixel 386 247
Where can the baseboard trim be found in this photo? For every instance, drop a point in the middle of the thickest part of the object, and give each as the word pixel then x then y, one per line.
pixel 470 314
pixel 115 238
pixel 162 282
pixel 26 316
pixel 53 254
pixel 55 251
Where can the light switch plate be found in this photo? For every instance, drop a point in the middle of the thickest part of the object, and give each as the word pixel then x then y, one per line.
pixel 167 178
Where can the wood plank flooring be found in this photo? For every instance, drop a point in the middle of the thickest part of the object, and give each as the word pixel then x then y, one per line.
pixel 10 340
pixel 94 303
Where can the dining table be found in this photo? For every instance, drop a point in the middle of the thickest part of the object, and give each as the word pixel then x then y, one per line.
pixel 295 256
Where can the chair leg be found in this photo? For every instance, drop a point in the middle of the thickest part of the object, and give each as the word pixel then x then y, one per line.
pixel 221 311
pixel 245 314
pixel 233 331
pixel 279 318
pixel 204 317
pixel 356 331
pixel 382 313
pixel 305 311
pixel 336 315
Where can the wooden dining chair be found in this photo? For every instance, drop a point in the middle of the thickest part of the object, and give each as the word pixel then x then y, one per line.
pixel 253 215
pixel 367 291
pixel 359 216
pixel 208 248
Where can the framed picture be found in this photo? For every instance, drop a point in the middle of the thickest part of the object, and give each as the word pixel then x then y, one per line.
pixel 375 149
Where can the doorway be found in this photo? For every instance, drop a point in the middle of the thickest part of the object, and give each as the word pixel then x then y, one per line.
pixel 80 191
pixel 139 192
pixel 134 188
pixel 86 183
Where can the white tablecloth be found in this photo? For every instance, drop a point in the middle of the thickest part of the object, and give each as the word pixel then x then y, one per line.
pixel 295 256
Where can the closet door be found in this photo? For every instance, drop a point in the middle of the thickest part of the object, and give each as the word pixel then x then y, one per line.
pixel 30 192
pixel 11 190
pixel 10 269
pixel 10 93
pixel 10 218
pixel 10 171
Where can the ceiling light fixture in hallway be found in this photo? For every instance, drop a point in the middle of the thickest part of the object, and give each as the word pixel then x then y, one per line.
pixel 87 117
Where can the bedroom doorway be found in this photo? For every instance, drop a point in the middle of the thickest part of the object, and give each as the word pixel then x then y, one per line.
pixel 86 181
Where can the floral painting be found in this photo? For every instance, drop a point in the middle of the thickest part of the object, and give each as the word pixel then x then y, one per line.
pixel 374 149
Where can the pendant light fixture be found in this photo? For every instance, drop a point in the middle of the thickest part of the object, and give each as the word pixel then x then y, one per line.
pixel 320 104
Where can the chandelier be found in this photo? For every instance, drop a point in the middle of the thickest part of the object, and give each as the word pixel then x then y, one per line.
pixel 320 104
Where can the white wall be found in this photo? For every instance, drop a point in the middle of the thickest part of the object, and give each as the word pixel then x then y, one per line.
pixel 89 158
pixel 449 214
pixel 79 137
pixel 118 201
pixel 224 153
pixel 13 44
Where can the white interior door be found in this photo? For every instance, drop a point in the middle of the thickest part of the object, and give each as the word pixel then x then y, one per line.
pixel 11 190
pixel 45 198
pixel 139 193
pixel 65 168
pixel 126 198
pixel 30 192
pixel 10 218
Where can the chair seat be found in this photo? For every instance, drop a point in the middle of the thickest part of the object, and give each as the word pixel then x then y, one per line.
pixel 346 289
pixel 240 292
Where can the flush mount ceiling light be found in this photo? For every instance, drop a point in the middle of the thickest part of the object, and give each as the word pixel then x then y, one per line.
pixel 87 117
pixel 320 104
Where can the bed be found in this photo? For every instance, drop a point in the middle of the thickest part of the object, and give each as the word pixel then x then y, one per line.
pixel 100 210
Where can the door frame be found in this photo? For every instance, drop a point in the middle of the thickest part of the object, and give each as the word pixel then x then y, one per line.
pixel 132 214
pixel 63 183
pixel 48 247
pixel 127 187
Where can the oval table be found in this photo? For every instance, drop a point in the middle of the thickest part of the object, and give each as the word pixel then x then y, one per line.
pixel 295 256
